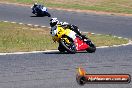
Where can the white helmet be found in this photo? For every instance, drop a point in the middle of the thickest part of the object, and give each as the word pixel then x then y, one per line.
pixel 35 3
pixel 53 22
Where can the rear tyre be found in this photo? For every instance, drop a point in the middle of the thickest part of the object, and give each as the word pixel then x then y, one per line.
pixel 70 48
pixel 48 14
pixel 92 47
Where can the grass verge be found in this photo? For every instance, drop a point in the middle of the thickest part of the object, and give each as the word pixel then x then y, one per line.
pixel 116 6
pixel 15 38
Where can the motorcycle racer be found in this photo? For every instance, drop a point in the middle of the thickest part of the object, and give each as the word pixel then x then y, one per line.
pixel 36 7
pixel 55 21
pixel 69 40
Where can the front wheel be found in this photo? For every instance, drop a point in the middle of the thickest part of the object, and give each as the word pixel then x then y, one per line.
pixel 38 15
pixel 69 47
pixel 61 49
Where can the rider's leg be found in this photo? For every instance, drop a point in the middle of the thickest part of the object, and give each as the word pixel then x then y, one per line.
pixel 84 38
pixel 75 29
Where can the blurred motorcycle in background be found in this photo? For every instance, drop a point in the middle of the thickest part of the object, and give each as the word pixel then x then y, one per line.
pixel 40 10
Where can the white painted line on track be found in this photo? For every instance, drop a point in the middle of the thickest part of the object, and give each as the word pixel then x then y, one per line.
pixel 120 37
pixel 29 24
pixel 103 47
pixel 5 21
pixel 20 23
pixel 93 33
pixel 13 22
pixel 36 25
pixel 32 52
pixel 43 26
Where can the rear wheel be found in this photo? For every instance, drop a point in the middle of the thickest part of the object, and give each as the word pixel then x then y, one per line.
pixel 48 14
pixel 92 47
pixel 69 47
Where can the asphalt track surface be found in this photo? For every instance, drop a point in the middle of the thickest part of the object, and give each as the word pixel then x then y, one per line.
pixel 55 70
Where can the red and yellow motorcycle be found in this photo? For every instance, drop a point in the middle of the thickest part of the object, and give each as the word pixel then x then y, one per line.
pixel 69 41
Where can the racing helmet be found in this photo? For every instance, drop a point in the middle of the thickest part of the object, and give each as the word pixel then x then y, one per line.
pixel 53 22
pixel 35 4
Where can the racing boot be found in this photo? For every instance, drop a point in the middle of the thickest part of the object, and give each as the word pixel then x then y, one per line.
pixel 85 39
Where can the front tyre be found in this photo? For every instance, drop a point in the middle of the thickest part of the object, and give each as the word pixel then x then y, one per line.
pixel 70 48
pixel 61 49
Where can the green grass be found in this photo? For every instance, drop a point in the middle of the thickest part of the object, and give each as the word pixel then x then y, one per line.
pixel 116 6
pixel 107 40
pixel 24 1
pixel 16 38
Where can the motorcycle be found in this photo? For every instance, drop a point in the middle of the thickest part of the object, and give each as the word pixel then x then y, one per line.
pixel 40 11
pixel 70 42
